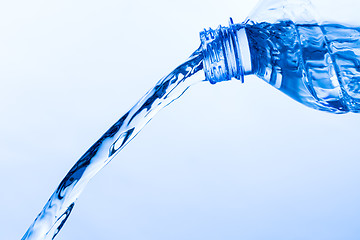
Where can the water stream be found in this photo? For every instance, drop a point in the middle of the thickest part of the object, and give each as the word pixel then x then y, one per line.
pixel 58 208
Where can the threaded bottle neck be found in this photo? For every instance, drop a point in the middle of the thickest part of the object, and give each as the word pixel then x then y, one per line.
pixel 226 53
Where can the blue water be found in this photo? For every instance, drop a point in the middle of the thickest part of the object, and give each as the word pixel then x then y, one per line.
pixel 317 65
pixel 58 208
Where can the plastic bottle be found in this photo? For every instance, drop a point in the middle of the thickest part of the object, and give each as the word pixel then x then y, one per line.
pixel 285 43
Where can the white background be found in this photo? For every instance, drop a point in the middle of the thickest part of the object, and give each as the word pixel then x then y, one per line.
pixel 226 161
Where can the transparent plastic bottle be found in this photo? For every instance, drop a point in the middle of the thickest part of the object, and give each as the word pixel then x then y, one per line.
pixel 287 44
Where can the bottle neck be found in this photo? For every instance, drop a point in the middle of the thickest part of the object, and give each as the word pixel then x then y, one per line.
pixel 226 53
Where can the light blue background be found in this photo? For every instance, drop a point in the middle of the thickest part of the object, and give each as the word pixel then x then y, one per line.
pixel 229 161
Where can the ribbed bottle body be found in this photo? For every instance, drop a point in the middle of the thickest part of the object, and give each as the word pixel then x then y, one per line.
pixel 317 65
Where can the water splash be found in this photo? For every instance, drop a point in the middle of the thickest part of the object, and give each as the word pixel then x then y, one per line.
pixel 58 208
